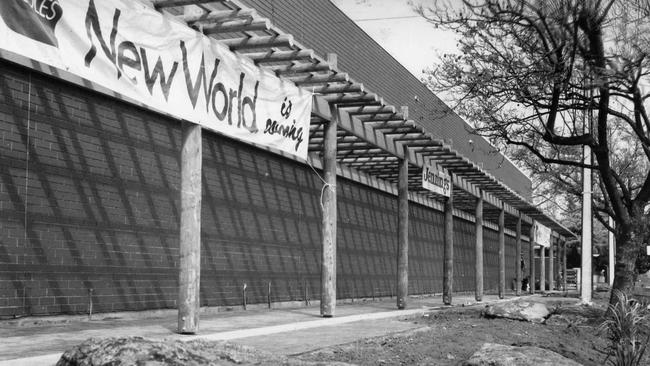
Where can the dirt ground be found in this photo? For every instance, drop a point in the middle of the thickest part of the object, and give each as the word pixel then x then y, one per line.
pixel 450 337
pixel 443 337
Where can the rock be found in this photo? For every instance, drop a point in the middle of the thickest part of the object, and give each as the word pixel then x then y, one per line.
pixel 142 351
pixel 568 320
pixel 492 354
pixel 535 312
pixel 134 351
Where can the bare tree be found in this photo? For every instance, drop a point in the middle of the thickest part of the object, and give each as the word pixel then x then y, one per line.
pixel 553 76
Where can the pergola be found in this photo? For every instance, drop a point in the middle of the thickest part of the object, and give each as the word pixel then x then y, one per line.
pixel 355 133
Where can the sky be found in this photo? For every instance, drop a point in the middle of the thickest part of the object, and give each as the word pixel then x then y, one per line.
pixel 407 36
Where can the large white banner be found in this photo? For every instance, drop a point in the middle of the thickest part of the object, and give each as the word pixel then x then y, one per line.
pixel 138 52
pixel 542 235
pixel 436 180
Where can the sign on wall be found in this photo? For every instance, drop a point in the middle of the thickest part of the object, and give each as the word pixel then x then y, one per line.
pixel 542 235
pixel 436 180
pixel 153 58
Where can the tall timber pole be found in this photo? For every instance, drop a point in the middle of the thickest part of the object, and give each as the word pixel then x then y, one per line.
pixel 403 232
pixel 328 257
pixel 190 230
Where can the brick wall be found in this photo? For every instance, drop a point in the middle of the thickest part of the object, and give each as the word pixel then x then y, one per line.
pixel 88 193
pixel 512 262
pixel 89 201
pixel 426 249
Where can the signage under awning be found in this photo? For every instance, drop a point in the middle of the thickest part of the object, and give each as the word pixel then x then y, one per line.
pixel 153 58
pixel 542 235
pixel 436 180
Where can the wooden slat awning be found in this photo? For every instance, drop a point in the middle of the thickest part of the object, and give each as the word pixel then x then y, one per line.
pixel 373 134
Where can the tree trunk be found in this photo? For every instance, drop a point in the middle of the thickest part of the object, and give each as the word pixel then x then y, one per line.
pixel 629 240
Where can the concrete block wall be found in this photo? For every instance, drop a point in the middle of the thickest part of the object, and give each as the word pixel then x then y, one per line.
pixel 88 199
pixel 426 249
pixel 89 211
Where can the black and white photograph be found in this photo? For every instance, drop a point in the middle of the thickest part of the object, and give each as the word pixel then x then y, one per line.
pixel 324 182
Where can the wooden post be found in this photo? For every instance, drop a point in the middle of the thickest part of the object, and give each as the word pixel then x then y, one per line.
pixel 403 233
pixel 551 265
pixel 448 264
pixel 586 275
pixel 243 296
pixel 190 230
pixel 558 262
pixel 502 252
pixel 328 260
pixel 564 266
pixel 542 268
pixel 611 245
pixel 478 250
pixel 531 274
pixel 518 255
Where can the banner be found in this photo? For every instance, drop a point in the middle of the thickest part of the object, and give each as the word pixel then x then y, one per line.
pixel 542 235
pixel 436 180
pixel 140 53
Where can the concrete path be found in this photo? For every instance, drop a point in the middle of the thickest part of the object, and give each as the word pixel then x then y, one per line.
pixel 40 341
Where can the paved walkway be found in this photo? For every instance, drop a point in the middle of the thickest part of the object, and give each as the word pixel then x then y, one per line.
pixel 40 341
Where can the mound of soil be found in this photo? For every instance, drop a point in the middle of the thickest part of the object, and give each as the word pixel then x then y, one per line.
pixel 451 336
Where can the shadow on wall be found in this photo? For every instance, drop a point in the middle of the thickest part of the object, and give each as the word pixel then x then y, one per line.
pixel 89 209
pixel 261 223
pixel 89 192
pixel 426 250
pixel 89 201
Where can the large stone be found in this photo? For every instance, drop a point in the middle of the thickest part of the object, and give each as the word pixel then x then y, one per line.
pixel 142 351
pixel 138 350
pixel 492 354
pixel 535 312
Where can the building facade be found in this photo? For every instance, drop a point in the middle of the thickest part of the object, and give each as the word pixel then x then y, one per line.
pixel 91 207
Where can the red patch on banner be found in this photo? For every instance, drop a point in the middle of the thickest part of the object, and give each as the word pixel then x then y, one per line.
pixel 35 19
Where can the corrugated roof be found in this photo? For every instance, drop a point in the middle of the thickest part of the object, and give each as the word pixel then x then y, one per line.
pixel 326 29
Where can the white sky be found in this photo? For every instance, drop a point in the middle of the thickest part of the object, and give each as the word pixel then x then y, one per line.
pixel 407 36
